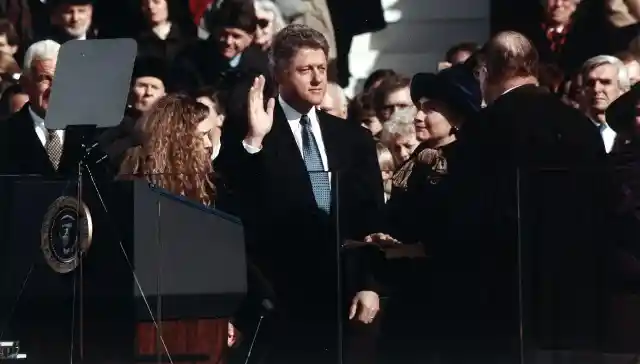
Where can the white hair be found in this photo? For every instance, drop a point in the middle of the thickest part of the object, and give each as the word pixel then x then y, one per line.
pixel 623 75
pixel 399 125
pixel 269 6
pixel 43 50
pixel 337 93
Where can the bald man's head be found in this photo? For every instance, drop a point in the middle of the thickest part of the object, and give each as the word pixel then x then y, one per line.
pixel 510 59
pixel 510 54
pixel 335 101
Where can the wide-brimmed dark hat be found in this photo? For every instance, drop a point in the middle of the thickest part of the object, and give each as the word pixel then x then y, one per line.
pixel 456 86
pixel 621 114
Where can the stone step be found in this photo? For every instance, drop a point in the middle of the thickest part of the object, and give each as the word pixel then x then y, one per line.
pixel 407 36
pixel 418 34
pixel 421 10
pixel 362 64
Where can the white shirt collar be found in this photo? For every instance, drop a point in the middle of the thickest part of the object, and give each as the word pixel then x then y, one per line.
pixel 37 120
pixel 293 118
pixel 608 135
pixel 235 61
pixel 216 151
pixel 511 89
pixel 292 114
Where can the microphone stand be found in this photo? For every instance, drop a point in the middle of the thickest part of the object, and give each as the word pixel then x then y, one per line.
pixel 339 285
pixel 267 306
pixel 82 167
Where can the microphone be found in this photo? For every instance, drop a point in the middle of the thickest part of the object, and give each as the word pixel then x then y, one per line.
pixel 261 288
pixel 267 305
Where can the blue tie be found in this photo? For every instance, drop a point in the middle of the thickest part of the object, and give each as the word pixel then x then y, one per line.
pixel 312 159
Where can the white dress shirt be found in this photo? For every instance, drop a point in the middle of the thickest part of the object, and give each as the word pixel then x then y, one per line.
pixel 293 118
pixel 607 134
pixel 41 129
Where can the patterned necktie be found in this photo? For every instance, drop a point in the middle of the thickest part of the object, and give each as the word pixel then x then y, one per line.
pixel 54 148
pixel 312 159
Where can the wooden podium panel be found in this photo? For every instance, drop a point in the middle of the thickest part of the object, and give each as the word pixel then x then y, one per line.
pixel 193 340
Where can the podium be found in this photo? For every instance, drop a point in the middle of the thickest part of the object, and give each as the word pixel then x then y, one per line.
pixel 148 258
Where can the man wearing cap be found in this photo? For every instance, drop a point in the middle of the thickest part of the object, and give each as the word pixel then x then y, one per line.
pixel 227 60
pixel 148 84
pixel 71 19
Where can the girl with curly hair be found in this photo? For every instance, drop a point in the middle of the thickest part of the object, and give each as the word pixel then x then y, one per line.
pixel 175 154
pixel 176 149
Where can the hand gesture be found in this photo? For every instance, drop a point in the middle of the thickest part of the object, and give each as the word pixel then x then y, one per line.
pixel 381 239
pixel 233 335
pixel 260 119
pixel 367 303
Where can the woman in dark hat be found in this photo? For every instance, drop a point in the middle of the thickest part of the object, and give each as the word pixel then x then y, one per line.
pixel 445 101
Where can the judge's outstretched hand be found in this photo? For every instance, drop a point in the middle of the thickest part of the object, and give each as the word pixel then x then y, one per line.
pixel 260 119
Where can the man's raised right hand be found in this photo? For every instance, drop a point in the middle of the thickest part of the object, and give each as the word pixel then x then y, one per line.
pixel 260 119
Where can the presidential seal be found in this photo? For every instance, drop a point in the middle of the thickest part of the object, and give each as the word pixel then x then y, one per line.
pixel 66 233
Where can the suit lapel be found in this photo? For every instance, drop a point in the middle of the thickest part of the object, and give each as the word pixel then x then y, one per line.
pixel 283 136
pixel 331 140
pixel 27 132
pixel 287 156
pixel 335 156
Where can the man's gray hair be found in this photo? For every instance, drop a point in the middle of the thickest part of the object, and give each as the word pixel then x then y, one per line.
pixel 269 6
pixel 399 125
pixel 44 50
pixel 592 63
pixel 337 93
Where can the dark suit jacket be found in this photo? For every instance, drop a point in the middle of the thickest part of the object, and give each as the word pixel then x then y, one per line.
pixel 288 237
pixel 528 207
pixel 150 45
pixel 201 64
pixel 22 152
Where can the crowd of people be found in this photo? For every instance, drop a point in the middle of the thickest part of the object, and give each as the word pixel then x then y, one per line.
pixel 514 168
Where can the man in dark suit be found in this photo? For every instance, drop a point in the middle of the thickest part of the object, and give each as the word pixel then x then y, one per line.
pixel 27 146
pixel 71 20
pixel 527 228
pixel 565 33
pixel 307 180
pixel 228 60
